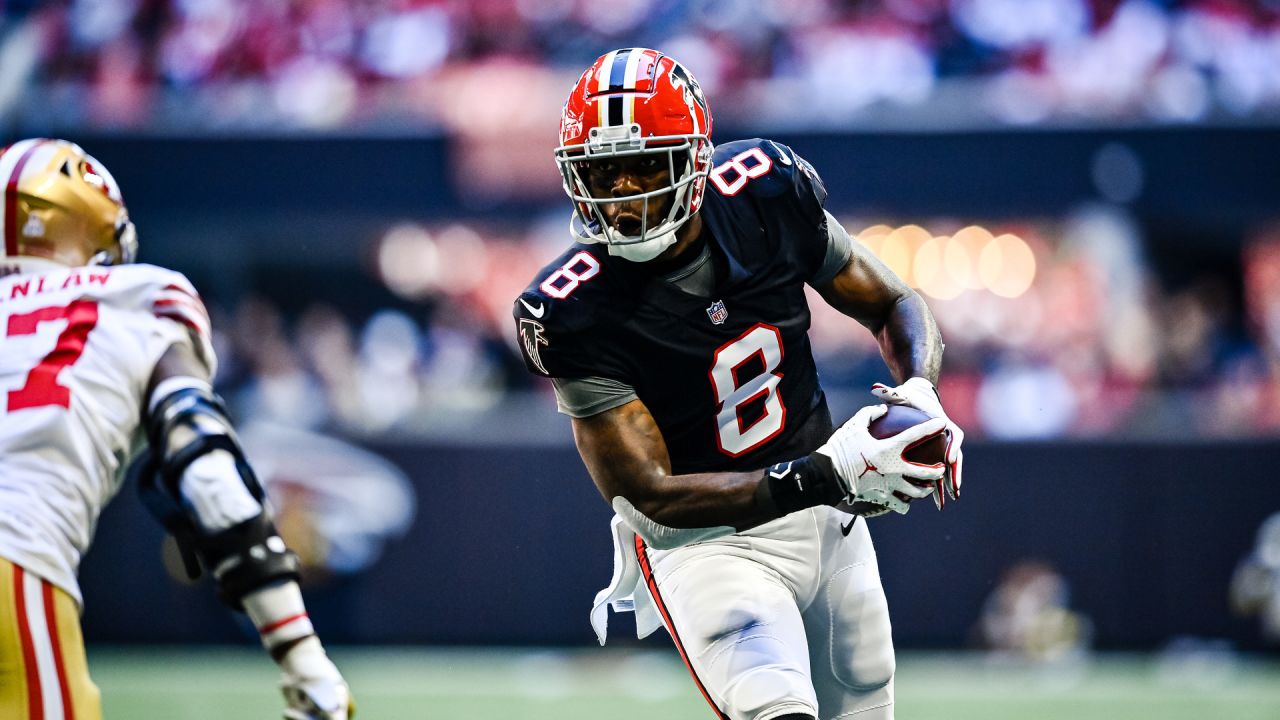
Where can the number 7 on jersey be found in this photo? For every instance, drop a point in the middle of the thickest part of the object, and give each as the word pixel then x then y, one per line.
pixel 41 387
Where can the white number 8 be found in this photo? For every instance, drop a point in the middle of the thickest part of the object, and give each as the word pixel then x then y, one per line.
pixel 734 439
pixel 567 271
pixel 738 165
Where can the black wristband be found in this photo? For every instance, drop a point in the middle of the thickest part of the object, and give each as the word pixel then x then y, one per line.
pixel 799 484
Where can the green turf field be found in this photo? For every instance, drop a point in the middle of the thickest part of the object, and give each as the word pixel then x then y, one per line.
pixel 582 685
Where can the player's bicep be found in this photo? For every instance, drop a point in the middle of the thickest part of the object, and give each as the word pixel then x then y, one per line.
pixel 865 289
pixel 624 452
pixel 180 360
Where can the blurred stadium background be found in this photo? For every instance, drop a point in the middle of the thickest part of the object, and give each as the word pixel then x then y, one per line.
pixel 1087 192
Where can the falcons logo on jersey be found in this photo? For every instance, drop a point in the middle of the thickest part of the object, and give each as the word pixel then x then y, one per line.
pixel 531 336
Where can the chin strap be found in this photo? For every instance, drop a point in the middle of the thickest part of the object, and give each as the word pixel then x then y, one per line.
pixel 626 247
pixel 645 250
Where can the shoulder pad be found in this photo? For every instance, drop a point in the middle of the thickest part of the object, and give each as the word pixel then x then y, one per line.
pixel 170 295
pixel 174 297
pixel 140 274
pixel 764 169
pixel 581 290
pixel 575 291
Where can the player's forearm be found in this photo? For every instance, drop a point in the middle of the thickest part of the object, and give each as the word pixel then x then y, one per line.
pixel 910 342
pixel 690 508
pixel 312 685
pixel 280 616
pixel 626 455
pixel 705 500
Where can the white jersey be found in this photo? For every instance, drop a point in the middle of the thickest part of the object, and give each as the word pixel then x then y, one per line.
pixel 77 350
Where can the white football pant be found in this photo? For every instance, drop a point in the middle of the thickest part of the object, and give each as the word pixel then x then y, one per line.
pixel 789 617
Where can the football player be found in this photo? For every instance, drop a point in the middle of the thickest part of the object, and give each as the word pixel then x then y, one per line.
pixel 97 358
pixel 674 330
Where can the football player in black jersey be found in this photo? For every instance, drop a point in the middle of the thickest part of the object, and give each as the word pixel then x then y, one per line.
pixel 675 332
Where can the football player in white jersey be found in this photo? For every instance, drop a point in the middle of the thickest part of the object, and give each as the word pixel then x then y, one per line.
pixel 99 358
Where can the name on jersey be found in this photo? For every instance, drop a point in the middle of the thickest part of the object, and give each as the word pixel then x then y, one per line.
pixel 39 284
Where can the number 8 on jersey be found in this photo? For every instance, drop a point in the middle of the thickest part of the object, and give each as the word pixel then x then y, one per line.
pixel 733 395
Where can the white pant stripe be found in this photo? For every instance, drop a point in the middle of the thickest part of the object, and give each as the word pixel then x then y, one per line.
pixel 38 625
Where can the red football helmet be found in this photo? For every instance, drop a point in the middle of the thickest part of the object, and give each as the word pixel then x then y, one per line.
pixel 635 101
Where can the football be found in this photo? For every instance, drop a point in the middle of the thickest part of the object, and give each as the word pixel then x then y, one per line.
pixel 928 451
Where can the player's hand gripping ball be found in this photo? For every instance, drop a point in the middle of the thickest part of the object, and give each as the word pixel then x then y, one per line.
pixel 875 470
pixel 920 394
pixel 930 450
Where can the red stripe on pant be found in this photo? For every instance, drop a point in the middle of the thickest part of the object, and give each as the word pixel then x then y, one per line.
pixel 643 556
pixel 35 702
pixel 68 710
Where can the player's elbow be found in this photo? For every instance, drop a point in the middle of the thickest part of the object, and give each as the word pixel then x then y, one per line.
pixel 663 511
pixel 659 535
pixel 651 508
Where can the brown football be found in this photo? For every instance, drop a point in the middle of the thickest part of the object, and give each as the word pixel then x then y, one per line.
pixel 929 451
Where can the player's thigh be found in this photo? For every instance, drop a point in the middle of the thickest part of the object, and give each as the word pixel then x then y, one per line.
pixel 43 669
pixel 741 631
pixel 852 652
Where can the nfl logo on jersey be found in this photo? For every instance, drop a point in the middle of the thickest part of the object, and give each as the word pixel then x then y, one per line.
pixel 717 312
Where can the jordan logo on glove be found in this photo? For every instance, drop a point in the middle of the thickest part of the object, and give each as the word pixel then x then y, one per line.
pixel 869 467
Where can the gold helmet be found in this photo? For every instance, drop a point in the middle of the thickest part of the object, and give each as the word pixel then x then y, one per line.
pixel 60 203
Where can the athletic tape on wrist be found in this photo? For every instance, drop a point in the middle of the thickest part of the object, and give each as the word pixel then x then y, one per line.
pixel 280 616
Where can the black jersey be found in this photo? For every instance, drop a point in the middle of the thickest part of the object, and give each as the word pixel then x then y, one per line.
pixel 728 377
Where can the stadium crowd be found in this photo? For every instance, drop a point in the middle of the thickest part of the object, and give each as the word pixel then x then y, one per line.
pixel 1096 341
pixel 335 63
pixel 1094 345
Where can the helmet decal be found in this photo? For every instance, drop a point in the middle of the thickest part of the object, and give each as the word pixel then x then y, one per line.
pixel 692 90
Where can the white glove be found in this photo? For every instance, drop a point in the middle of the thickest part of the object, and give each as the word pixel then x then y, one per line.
pixel 873 470
pixel 920 394
pixel 312 686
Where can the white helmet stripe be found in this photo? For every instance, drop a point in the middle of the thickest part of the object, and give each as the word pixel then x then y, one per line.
pixel 628 108
pixel 633 63
pixel 606 68
pixel 629 82
pixel 12 163
pixel 602 85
